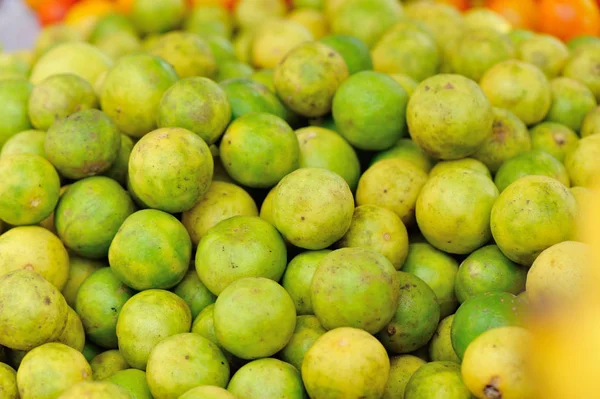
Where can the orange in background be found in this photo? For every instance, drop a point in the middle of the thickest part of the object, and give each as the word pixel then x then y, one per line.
pixel 89 8
pixel 520 13
pixel 51 12
pixel 462 5
pixel 124 6
pixel 229 4
pixel 568 18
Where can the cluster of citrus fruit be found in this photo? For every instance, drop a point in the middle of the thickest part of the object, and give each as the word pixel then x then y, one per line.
pixel 340 199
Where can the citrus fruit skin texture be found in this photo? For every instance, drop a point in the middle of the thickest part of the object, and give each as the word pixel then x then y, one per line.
pixel 312 208
pixel 148 318
pixel 379 229
pixel 331 366
pixel 157 16
pixel 50 369
pixel 530 163
pixel 298 277
pixel 273 40
pixel 29 189
pixel 254 317
pixel 35 248
pixel 259 149
pixel 509 138
pixel 205 365
pixel 353 50
pixel 571 102
pixel 368 110
pixel 355 287
pixel 402 367
pixel 449 116
pixel 132 91
pixel 170 169
pixel 495 364
pixel 267 378
pixel 30 301
pixel 73 334
pixel 194 292
pixel 470 164
pixel 133 381
pixel 25 142
pixel 89 233
pixel 415 319
pixel 591 123
pixel 307 78
pixel 308 330
pixel 408 150
pixel 95 390
pixel 551 214
pixel 453 210
pixel 501 309
pixel 580 67
pixel 99 301
pixel 107 363
pixel 208 392
pixel 152 249
pixel 554 138
pixel 8 382
pixel 583 163
pixel 440 346
pixel 241 246
pixel 519 87
pixel 197 104
pixel 247 95
pixel 437 380
pixel 546 52
pixel 189 54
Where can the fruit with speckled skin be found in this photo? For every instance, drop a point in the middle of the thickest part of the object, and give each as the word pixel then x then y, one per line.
pixel 453 210
pixel 90 213
pixel 449 116
pixel 508 375
pixel 34 248
pixel 353 50
pixel 57 97
pixel 366 365
pixel 95 390
pixel 258 149
pixel 401 369
pixel 99 301
pixel 308 77
pixel 298 277
pixel 147 319
pixel 581 66
pixel 152 249
pixel 437 380
pixel 519 87
pixel 50 369
pixel 546 52
pixel 33 313
pixel 267 378
pixel 246 95
pixel 408 150
pixel 416 316
pixel 312 208
pixel 170 169
pixel 355 287
pixel 8 382
pixel 187 53
pixel 440 346
pixel 477 50
pixel 254 317
pixel 308 330
pixel 84 144
pixel 583 162
pixel 118 170
pixel 241 246
pixel 509 138
pixel 368 110
pixel 27 141
pixel 571 102
pixel 133 381
pixel 488 270
pixel 107 363
pixel 197 104
pixel 324 148
pixel 553 138
pixel 470 164
pixel 394 184
pixel 558 275
pixel 194 292
pixel 208 392
pixel 437 269
pixel 530 163
pixel 29 189
pixel 379 229
pixel 78 58
pixel 132 91
pixel 532 214
pixel 79 270
pixel 196 360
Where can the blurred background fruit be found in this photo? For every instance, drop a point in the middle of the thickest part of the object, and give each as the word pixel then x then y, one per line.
pixel 568 18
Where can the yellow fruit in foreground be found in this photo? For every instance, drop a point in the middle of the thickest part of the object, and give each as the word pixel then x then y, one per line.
pixel 495 364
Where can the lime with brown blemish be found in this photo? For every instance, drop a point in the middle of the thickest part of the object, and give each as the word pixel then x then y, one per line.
pixel 57 97
pixel 440 346
pixel 152 249
pixel 530 163
pixel 554 138
pixel 509 138
pixel 353 50
pixel 544 51
pixel 298 278
pixel 33 313
pixel 99 301
pixel 29 189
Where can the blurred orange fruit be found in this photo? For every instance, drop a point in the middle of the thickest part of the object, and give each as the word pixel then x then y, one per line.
pixel 124 6
pixel 89 8
pixel 568 18
pixel 460 4
pixel 229 4
pixel 520 13
pixel 51 12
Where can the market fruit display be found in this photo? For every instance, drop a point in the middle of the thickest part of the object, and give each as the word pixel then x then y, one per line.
pixel 293 199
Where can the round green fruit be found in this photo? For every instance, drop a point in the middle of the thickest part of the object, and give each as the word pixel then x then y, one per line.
pixel 308 330
pixel 353 50
pixel 437 380
pixel 440 346
pixel 530 163
pixel 554 138
pixel 264 378
pixel 298 278
pixel 571 102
